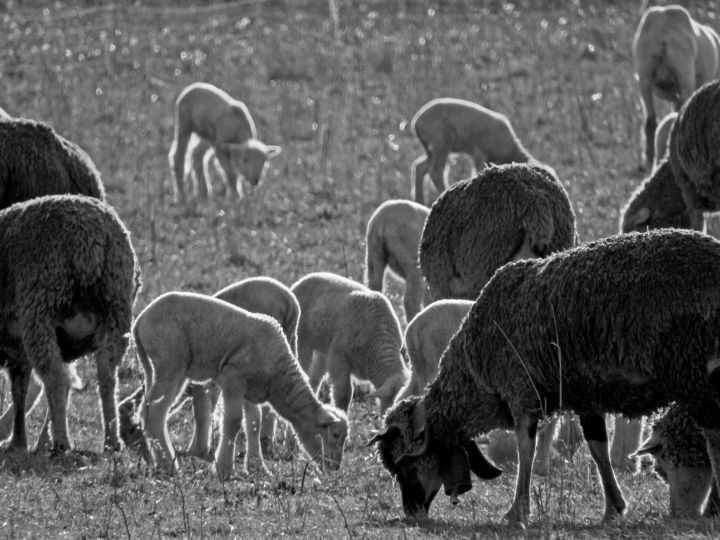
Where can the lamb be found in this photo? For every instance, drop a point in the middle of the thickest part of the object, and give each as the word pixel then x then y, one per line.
pixel 694 153
pixel 37 161
pixel 353 332
pixel 448 125
pixel 681 459
pixel 69 281
pixel 225 123
pixel 188 336
pixel 582 328
pixel 392 240
pixel 662 138
pixel 657 203
pixel 673 55
pixel 508 212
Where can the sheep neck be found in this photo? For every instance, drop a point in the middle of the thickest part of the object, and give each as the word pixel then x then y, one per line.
pixel 292 397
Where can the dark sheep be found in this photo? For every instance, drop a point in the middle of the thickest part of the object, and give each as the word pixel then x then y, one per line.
pixel 506 213
pixel 593 310
pixel 68 281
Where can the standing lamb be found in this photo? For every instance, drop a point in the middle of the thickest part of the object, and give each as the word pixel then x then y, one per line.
pixel 673 55
pixel 226 124
pixel 187 336
pixel 681 459
pixel 69 280
pixel 393 237
pixel 694 152
pixel 353 332
pixel 506 213
pixel 448 125
pixel 580 330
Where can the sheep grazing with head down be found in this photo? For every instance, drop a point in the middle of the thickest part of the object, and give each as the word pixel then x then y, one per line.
pixel 184 337
pixel 225 123
pixel 673 55
pixel 68 281
pixel 582 325
pixel 508 212
pixel 694 152
pixel 392 240
pixel 680 454
pixel 347 330
pixel 448 125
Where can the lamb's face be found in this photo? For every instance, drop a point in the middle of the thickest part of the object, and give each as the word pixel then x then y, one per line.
pixel 327 442
pixel 250 158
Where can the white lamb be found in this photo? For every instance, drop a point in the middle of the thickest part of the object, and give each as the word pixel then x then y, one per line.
pixel 225 123
pixel 186 336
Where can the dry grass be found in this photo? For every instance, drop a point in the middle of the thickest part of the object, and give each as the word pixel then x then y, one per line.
pixel 338 99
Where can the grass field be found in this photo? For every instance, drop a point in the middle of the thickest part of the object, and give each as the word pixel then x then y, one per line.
pixel 338 98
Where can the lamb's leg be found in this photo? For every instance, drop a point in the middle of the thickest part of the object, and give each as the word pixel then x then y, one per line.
pixel 626 439
pixel 201 181
pixel 438 169
pixel 253 455
pixel 525 431
pixel 595 433
pixel 267 431
pixel 231 425
pixel 203 407
pixel 318 368
pixel 340 380
pixel 646 99
pixel 414 290
pixel 177 158
pixel 107 365
pixel 231 179
pixel 419 170
pixel 159 397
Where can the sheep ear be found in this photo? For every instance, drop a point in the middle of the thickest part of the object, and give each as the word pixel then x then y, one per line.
pixel 326 418
pixel 479 464
pixel 380 436
pixel 651 446
pixel 273 150
pixel 420 435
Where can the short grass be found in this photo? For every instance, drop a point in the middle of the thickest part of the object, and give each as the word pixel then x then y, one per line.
pixel 338 96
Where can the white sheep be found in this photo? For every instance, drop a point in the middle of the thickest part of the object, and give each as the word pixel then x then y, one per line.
pixel 673 55
pixel 353 332
pixel 448 125
pixel 187 336
pixel 392 240
pixel 225 123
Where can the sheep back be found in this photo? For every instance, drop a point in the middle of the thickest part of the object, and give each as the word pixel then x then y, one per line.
pixel 36 161
pixel 477 225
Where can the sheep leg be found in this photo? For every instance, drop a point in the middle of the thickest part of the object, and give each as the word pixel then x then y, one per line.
pixel 419 170
pixel 412 300
pixel 318 368
pixel 203 407
pixel 595 433
pixel 178 150
pixel 267 431
pixel 627 439
pixel 253 455
pixel 231 180
pixel 231 425
pixel 19 378
pixel 645 87
pixel 438 169
pixel 525 431
pixel 159 397
pixel 201 181
pixel 712 436
pixel 340 381
pixel 107 391
pixel 34 391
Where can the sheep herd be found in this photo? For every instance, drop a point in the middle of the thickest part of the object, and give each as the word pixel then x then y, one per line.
pixel 511 320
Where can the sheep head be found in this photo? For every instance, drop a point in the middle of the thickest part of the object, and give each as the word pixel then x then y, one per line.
pixel 327 439
pixel 423 464
pixel 249 158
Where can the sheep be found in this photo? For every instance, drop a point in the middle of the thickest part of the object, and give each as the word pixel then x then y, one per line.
pixel 69 277
pixel 392 240
pixel 353 332
pixel 37 161
pixel 426 337
pixel 188 336
pixel 662 138
pixel 657 203
pixel 581 326
pixel 4 115
pixel 447 125
pixel 225 123
pixel 693 150
pixel 507 212
pixel 681 459
pixel 673 55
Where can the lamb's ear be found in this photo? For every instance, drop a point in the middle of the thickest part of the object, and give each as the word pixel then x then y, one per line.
pixel 479 464
pixel 326 418
pixel 651 446
pixel 273 150
pixel 642 216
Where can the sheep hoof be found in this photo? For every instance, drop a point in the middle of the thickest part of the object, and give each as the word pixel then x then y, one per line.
pixel 8 448
pixel 59 449
pixel 515 518
pixel 163 472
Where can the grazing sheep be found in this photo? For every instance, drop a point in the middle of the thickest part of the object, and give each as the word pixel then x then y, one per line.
pixel 393 237
pixel 681 459
pixel 662 138
pixel 694 150
pixel 582 327
pixel 353 332
pixel 225 123
pixel 506 213
pixel 187 336
pixel 673 55
pixel 37 161
pixel 658 203
pixel 448 125
pixel 69 277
